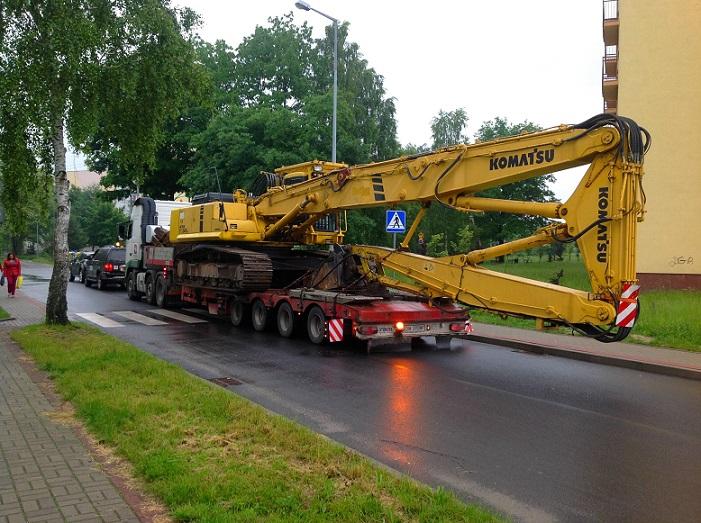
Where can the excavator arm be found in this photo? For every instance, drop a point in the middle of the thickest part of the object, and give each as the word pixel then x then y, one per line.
pixel 601 217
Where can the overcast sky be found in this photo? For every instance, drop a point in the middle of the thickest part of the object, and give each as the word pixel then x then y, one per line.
pixel 538 60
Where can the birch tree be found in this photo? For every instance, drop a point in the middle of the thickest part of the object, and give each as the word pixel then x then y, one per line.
pixel 71 68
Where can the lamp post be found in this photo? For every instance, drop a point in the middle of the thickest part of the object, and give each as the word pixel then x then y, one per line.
pixel 306 7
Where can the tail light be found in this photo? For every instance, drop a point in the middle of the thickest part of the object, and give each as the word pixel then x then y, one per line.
pixel 460 327
pixel 399 326
pixel 108 267
pixel 367 330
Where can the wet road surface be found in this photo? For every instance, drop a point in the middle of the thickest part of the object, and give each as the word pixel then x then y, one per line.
pixel 536 437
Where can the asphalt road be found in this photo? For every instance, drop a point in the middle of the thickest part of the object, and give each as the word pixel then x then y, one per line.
pixel 538 438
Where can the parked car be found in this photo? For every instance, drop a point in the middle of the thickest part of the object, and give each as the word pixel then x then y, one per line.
pixel 78 265
pixel 106 267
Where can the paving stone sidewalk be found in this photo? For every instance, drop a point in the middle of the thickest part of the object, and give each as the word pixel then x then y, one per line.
pixel 46 471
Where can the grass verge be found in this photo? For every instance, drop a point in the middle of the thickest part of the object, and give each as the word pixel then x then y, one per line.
pixel 43 258
pixel 212 456
pixel 3 314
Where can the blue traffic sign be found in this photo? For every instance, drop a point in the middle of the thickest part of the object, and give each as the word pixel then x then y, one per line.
pixel 395 221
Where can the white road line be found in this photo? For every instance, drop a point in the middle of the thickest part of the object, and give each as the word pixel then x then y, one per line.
pixel 99 320
pixel 177 316
pixel 140 318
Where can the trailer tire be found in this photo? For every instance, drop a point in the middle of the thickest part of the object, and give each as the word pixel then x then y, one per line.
pixel 316 325
pixel 238 312
pixel 132 293
pixel 259 315
pixel 161 292
pixel 285 320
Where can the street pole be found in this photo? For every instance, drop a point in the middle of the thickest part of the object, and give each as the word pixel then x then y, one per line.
pixel 335 88
pixel 304 6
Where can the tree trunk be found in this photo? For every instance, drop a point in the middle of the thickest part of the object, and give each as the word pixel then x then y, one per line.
pixel 57 304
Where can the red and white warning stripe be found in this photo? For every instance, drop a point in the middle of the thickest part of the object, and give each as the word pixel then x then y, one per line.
pixel 628 306
pixel 335 330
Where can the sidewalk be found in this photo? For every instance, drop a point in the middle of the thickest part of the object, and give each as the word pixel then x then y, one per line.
pixel 47 473
pixel 642 357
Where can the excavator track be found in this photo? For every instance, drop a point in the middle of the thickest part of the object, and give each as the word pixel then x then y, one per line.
pixel 224 267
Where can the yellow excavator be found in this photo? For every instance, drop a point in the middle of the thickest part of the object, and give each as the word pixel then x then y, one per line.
pixel 249 240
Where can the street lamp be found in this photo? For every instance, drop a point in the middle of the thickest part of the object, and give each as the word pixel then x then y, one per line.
pixel 304 6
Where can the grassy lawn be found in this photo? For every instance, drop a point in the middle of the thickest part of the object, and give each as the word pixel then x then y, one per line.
pixel 212 456
pixel 43 257
pixel 667 318
pixel 3 314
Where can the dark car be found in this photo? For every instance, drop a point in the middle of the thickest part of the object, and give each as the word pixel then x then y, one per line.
pixel 105 268
pixel 77 269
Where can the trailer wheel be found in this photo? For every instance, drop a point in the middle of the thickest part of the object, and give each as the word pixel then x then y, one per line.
pixel 161 292
pixel 132 294
pixel 285 320
pixel 316 325
pixel 237 313
pixel 259 315
pixel 150 288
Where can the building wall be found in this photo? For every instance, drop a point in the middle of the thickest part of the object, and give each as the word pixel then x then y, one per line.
pixel 659 74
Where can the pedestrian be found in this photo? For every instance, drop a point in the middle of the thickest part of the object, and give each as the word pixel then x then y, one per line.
pixel 11 269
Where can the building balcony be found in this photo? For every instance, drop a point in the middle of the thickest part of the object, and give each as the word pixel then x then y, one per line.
pixel 611 22
pixel 609 81
pixel 611 106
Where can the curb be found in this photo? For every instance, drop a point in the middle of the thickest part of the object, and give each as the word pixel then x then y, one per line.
pixel 593 357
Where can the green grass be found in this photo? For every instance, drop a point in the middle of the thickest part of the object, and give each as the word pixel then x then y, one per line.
pixel 212 456
pixel 3 314
pixel 42 257
pixel 669 319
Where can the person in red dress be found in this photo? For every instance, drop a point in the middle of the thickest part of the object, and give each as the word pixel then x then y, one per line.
pixel 11 269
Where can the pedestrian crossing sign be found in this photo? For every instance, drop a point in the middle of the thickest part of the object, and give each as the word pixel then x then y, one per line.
pixel 395 221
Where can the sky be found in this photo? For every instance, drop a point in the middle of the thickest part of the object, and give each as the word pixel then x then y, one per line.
pixel 537 60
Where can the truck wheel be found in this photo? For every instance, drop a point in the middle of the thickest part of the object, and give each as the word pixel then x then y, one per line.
pixel 238 312
pixel 316 325
pixel 150 289
pixel 161 292
pixel 132 294
pixel 285 320
pixel 259 315
pixel 87 282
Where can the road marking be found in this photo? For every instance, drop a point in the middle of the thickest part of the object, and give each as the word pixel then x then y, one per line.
pixel 177 316
pixel 140 318
pixel 99 320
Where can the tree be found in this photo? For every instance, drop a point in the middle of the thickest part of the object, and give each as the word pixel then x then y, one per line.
pixel 278 108
pixel 73 69
pixel 448 128
pixel 501 227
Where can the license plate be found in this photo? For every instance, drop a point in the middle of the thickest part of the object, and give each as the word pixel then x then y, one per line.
pixel 122 268
pixel 416 328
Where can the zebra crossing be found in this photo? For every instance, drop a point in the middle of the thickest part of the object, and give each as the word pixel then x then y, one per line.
pixel 126 318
